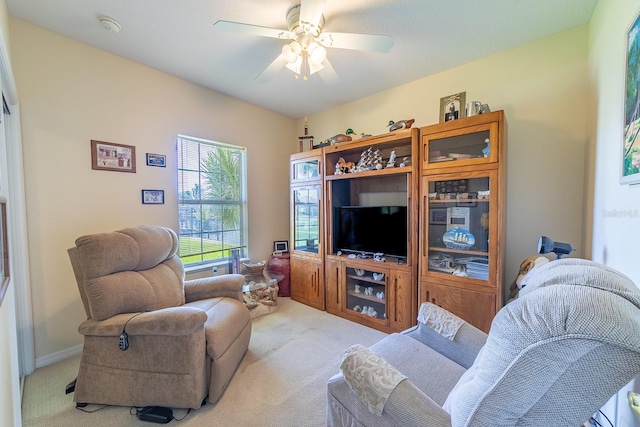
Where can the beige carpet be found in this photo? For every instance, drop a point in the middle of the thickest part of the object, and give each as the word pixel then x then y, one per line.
pixel 280 382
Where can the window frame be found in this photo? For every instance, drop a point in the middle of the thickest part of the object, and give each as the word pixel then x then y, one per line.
pixel 199 203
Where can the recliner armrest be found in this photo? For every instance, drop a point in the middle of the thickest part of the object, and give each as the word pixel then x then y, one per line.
pixel 408 406
pixel 463 349
pixel 227 285
pixel 173 321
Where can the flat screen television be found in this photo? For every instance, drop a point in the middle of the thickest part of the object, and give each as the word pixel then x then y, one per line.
pixel 371 229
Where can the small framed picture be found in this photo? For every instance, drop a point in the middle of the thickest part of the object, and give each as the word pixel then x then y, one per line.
pixel 152 197
pixel 158 160
pixel 438 216
pixel 281 246
pixel 452 107
pixel 109 156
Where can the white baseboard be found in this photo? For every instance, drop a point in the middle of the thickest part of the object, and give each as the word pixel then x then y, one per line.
pixel 58 356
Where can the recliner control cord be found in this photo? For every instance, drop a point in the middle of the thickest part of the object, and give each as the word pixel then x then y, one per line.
pixel 123 343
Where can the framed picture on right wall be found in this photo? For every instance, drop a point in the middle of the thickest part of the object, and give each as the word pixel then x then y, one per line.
pixel 631 129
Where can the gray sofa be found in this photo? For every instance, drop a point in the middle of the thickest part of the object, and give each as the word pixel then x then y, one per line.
pixel 552 357
pixel 185 338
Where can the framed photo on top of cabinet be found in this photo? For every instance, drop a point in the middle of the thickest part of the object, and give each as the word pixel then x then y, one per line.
pixel 109 156
pixel 631 129
pixel 452 107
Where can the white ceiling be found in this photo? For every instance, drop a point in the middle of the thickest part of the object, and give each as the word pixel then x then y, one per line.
pixel 178 37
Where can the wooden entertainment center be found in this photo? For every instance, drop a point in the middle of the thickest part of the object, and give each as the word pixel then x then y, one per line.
pixel 445 188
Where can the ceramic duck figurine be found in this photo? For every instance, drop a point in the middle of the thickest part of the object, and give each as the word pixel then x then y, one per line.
pixel 402 124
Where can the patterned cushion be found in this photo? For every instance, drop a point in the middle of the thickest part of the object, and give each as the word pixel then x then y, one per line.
pixel 440 320
pixel 370 377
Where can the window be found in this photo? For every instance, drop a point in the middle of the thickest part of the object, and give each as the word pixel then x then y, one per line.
pixel 212 202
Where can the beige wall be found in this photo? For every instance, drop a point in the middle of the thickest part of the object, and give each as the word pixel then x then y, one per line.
pixel 71 93
pixel 615 212
pixel 542 89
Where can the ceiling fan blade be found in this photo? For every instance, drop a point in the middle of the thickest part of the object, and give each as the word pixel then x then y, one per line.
pixel 271 69
pixel 366 42
pixel 255 30
pixel 311 11
pixel 328 74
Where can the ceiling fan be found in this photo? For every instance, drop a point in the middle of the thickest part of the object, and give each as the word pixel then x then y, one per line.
pixel 306 54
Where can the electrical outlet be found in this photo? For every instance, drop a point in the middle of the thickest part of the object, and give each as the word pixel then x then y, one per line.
pixel 215 270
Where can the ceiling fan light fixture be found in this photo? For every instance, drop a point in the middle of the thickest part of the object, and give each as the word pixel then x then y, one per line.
pixel 314 68
pixel 296 65
pixel 288 53
pixel 317 54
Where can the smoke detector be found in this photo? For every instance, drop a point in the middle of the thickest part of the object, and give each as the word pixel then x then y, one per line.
pixel 109 24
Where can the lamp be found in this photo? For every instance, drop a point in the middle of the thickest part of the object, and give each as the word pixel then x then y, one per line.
pixel 304 56
pixel 546 245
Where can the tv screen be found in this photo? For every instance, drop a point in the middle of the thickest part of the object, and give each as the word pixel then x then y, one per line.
pixel 371 229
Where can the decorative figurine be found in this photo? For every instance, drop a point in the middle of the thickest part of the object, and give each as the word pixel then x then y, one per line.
pixel 380 295
pixel 377 159
pixel 401 124
pixel 339 138
pixel 356 289
pixel 366 161
pixel 486 150
pixel 368 291
pixel 378 276
pixel 392 159
pixel 405 162
pixel 343 166
pixel 378 257
pixel 357 308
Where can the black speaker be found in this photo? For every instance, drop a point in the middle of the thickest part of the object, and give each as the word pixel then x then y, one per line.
pixel 546 245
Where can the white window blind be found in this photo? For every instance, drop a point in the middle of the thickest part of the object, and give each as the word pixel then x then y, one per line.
pixel 212 203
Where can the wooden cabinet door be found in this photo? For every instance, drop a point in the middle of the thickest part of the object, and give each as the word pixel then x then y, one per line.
pixel 300 280
pixel 332 282
pixel 307 282
pixel 400 316
pixel 477 308
pixel 316 290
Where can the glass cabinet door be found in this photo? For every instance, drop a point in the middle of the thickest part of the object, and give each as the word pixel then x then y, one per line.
pixel 459 225
pixel 472 145
pixel 306 218
pixel 305 169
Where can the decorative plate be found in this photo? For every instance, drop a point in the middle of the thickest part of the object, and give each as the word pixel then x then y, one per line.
pixel 458 238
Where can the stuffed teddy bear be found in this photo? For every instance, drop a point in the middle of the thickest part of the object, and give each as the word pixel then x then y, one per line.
pixel 528 265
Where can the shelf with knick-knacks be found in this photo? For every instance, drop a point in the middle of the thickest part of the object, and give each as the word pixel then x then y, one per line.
pixel 366 292
pixel 386 154
pixel 475 142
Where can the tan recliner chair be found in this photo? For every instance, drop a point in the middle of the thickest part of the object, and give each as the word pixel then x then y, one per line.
pixel 183 339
